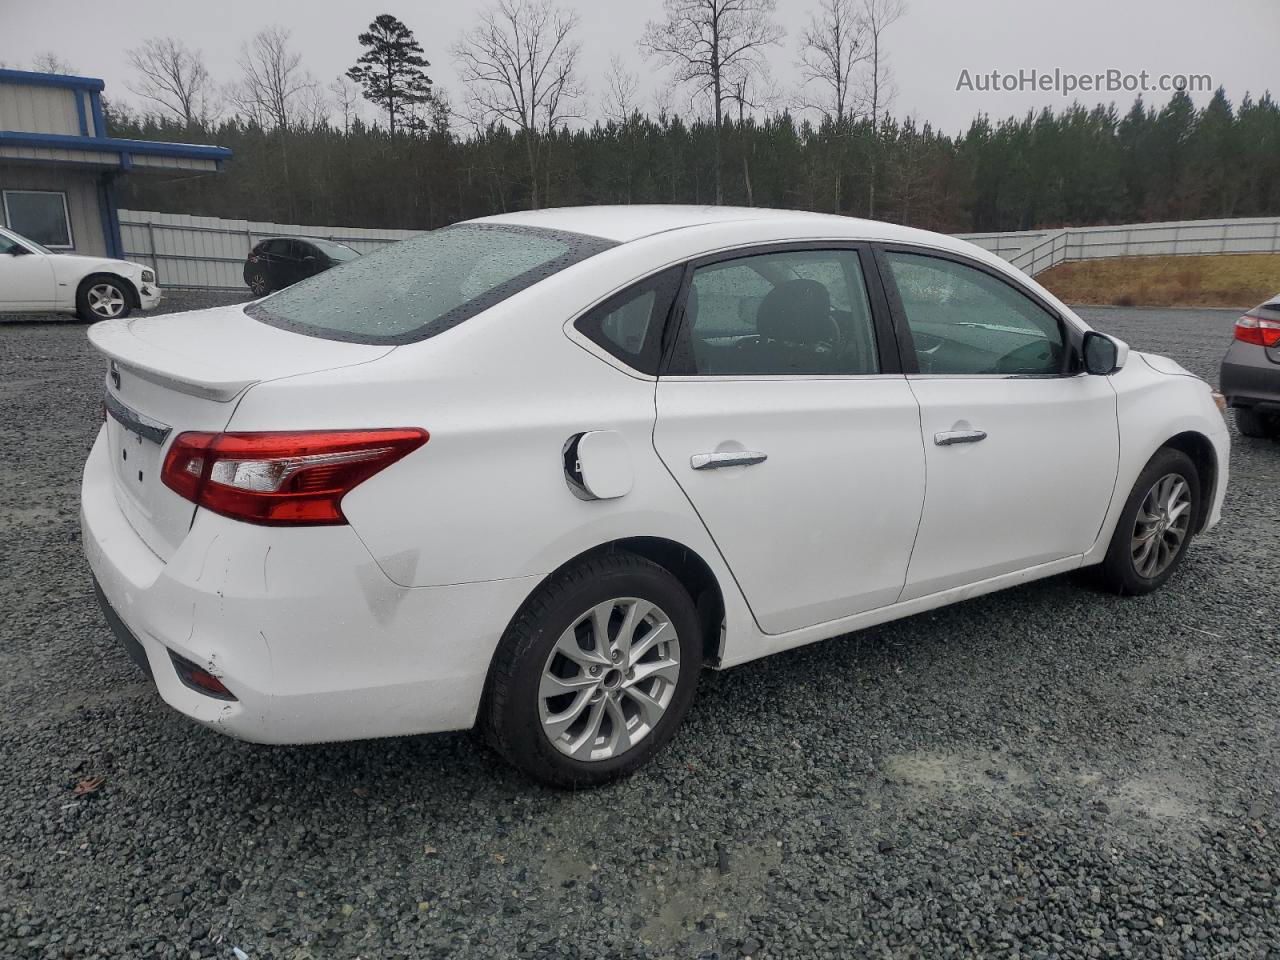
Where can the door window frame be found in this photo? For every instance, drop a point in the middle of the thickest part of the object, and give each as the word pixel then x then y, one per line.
pixel 1072 335
pixel 66 216
pixel 888 348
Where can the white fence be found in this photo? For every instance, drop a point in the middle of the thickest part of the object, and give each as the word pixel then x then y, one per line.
pixel 1042 249
pixel 209 252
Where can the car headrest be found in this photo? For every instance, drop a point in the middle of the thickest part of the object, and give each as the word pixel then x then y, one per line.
pixel 798 311
pixel 691 307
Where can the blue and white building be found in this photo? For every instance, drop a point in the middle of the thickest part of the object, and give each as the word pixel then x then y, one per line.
pixel 58 164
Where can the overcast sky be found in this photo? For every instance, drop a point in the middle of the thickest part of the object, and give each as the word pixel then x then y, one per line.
pixel 1234 41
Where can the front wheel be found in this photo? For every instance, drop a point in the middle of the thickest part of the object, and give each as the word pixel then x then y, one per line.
pixel 1156 525
pixel 595 673
pixel 102 297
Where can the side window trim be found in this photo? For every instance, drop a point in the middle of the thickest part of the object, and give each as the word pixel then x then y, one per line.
pixel 1071 336
pixel 881 318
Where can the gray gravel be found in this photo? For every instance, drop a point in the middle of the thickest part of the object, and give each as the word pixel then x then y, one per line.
pixel 1045 772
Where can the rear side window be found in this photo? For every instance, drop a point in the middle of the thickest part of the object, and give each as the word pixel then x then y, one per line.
pixel 422 286
pixel 788 313
pixel 629 324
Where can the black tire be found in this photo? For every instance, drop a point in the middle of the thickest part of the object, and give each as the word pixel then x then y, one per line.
pixel 1119 571
pixel 97 282
pixel 1251 423
pixel 510 715
pixel 258 283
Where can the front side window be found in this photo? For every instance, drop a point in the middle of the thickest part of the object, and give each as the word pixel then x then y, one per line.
pixel 422 286
pixel 965 321
pixel 792 313
pixel 41 215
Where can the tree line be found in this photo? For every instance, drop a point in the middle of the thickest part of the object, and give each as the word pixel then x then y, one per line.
pixel 517 134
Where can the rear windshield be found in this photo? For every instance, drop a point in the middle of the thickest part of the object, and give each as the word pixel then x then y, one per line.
pixel 422 286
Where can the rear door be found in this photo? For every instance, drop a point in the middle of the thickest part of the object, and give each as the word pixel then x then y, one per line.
pixel 1021 449
pixel 784 418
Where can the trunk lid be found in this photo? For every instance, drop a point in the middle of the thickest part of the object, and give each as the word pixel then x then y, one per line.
pixel 172 373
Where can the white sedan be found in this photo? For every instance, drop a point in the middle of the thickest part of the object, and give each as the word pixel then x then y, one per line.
pixel 35 279
pixel 536 471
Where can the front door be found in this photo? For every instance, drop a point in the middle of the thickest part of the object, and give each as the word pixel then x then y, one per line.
pixel 26 278
pixel 793 435
pixel 1021 450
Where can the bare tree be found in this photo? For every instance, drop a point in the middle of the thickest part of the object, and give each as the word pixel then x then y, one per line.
pixel 518 67
pixel 175 79
pixel 709 43
pixel 620 99
pixel 274 91
pixel 831 48
pixel 50 62
pixel 878 89
pixel 346 98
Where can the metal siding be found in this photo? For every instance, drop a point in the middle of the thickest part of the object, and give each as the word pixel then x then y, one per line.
pixel 35 109
pixel 81 188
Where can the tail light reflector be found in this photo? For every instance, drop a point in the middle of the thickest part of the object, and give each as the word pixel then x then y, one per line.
pixel 281 479
pixel 1264 333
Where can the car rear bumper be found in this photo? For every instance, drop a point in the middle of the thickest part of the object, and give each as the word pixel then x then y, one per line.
pixel 301 625
pixel 1249 378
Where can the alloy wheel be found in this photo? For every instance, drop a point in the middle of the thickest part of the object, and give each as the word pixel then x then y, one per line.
pixel 106 300
pixel 1160 528
pixel 609 679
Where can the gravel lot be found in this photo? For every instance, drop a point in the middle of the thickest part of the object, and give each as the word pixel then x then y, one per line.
pixel 1045 772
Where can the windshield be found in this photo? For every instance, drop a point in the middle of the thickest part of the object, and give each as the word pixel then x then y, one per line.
pixel 334 250
pixel 422 286
pixel 10 235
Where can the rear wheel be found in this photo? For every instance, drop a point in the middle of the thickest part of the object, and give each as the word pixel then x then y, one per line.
pixel 596 672
pixel 102 297
pixel 1251 423
pixel 258 283
pixel 1155 526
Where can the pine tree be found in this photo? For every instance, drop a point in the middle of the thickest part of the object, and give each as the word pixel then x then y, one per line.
pixel 391 69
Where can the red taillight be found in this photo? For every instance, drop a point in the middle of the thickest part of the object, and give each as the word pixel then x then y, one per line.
pixel 1264 333
pixel 281 478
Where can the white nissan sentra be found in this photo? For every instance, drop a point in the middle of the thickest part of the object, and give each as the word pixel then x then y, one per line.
pixel 537 471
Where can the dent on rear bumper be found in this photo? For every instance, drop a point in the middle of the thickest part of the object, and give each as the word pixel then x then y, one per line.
pixel 301 625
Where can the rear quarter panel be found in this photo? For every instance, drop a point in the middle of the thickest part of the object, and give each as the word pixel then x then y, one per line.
pixel 486 497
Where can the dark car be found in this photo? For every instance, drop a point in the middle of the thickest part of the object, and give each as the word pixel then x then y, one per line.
pixel 282 261
pixel 1250 377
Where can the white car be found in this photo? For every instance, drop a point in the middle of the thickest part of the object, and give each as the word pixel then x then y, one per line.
pixel 34 279
pixel 536 471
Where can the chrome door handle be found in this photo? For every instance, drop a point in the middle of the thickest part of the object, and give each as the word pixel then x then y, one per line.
pixel 949 437
pixel 732 458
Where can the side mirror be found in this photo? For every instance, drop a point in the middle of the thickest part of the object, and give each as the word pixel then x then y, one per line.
pixel 1103 355
pixel 18 250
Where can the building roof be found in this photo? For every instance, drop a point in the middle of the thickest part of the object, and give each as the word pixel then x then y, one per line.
pixel 91 145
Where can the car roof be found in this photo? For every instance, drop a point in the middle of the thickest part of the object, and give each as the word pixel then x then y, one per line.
pixel 623 224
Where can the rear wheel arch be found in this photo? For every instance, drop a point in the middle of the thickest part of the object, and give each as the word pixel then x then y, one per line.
pixel 682 562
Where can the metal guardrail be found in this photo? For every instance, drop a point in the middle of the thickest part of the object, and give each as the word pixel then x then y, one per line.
pixel 209 252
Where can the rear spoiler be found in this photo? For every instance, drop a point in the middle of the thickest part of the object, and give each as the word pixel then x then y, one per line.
pixel 115 340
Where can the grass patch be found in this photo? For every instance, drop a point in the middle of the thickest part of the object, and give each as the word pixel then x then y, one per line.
pixel 1218 280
